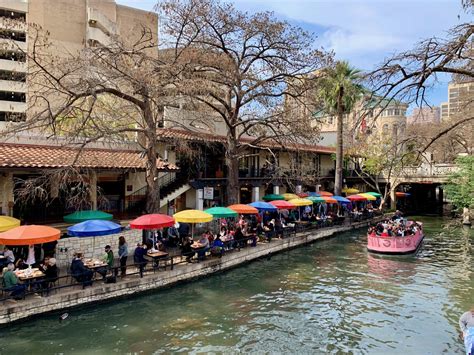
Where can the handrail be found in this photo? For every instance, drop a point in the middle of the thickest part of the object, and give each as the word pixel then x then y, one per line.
pixel 168 261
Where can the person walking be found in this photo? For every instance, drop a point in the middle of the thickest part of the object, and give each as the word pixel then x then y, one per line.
pixel 466 323
pixel 123 255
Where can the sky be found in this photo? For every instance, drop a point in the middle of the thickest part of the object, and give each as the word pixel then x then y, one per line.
pixel 364 32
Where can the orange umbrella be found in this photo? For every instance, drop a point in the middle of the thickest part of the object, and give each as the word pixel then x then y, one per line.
pixel 29 235
pixel 325 193
pixel 243 209
pixel 328 199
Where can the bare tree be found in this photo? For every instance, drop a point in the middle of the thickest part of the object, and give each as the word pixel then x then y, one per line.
pixel 114 93
pixel 408 76
pixel 241 69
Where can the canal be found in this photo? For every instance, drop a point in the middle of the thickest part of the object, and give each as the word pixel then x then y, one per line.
pixel 328 297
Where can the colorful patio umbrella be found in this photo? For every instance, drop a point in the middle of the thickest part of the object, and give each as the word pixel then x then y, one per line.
pixel 402 194
pixel 221 212
pixel 316 199
pixel 152 221
pixel 303 194
pixel 350 191
pixel 283 205
pixel 376 194
pixel 263 206
pixel 355 198
pixel 29 235
pixel 341 199
pixel 243 209
pixel 81 216
pixel 368 196
pixel 94 228
pixel 289 196
pixel 7 223
pixel 329 199
pixel 192 216
pixel 325 193
pixel 273 197
pixel 301 202
pixel 314 194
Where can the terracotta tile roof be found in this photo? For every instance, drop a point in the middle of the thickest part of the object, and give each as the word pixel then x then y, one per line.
pixel 39 156
pixel 213 138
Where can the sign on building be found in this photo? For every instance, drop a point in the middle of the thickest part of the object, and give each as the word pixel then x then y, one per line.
pixel 208 193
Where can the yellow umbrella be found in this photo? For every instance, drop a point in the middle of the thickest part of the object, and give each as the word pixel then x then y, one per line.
pixel 301 202
pixel 192 216
pixel 350 191
pixel 369 197
pixel 7 223
pixel 289 196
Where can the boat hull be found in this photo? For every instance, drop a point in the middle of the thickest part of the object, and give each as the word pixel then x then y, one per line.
pixel 394 245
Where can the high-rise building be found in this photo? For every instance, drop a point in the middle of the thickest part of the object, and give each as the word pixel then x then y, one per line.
pixel 71 25
pixel 424 115
pixel 460 96
pixel 444 111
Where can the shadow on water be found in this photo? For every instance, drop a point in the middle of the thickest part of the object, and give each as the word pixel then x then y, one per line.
pixel 332 296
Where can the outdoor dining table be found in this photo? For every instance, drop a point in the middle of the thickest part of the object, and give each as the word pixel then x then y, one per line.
pixel 29 278
pixel 157 256
pixel 95 265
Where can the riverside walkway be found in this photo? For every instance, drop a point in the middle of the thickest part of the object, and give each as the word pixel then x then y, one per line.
pixel 68 295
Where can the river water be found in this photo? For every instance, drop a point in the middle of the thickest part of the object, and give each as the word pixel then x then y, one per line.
pixel 328 297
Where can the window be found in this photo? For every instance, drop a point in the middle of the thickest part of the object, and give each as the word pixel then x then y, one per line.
pixel 12 116
pixel 13 14
pixel 12 96
pixel 385 128
pixel 12 76
pixel 11 55
pixel 14 35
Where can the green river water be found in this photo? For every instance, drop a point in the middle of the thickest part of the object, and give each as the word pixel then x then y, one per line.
pixel 328 297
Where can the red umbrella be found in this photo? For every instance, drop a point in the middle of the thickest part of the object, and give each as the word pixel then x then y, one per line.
pixel 325 193
pixel 283 205
pixel 152 221
pixel 303 194
pixel 356 198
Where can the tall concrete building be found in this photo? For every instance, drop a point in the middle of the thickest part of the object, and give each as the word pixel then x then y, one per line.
pixel 460 96
pixel 424 115
pixel 72 25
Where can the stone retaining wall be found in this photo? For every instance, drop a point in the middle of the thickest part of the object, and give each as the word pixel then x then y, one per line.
pixel 76 296
pixel 93 247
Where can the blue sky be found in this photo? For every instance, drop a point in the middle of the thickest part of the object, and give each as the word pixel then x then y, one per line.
pixel 364 32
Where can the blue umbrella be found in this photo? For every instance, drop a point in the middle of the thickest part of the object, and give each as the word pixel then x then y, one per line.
pixel 263 206
pixel 341 199
pixel 93 228
pixel 314 194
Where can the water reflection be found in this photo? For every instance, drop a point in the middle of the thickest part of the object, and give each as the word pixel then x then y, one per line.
pixel 331 297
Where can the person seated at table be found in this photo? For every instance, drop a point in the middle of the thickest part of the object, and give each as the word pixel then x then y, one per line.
pixel 269 229
pixel 107 258
pixel 8 254
pixel 160 246
pixel 239 238
pixel 50 270
pixel 80 272
pixel 210 237
pixel 20 264
pixel 139 257
pixel 11 283
pixel 186 249
pixel 223 232
pixel 204 241
pixel 217 248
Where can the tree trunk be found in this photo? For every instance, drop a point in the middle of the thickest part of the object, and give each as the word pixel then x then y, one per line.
pixel 339 144
pixel 232 162
pixel 465 217
pixel 151 171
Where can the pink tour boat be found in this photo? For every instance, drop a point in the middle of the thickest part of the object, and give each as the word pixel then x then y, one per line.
pixel 395 245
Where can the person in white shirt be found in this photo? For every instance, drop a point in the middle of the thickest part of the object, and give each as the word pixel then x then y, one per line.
pixel 466 323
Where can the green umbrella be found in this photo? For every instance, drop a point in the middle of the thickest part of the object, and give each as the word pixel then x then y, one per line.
pixel 221 212
pixel 376 194
pixel 273 197
pixel 81 216
pixel 315 199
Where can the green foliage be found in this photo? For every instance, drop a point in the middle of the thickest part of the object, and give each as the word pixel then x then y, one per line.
pixel 460 186
pixel 340 77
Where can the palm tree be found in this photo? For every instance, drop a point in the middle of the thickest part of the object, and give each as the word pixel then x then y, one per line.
pixel 339 90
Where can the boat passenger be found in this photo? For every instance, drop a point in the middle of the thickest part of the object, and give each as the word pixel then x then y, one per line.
pixel 466 323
